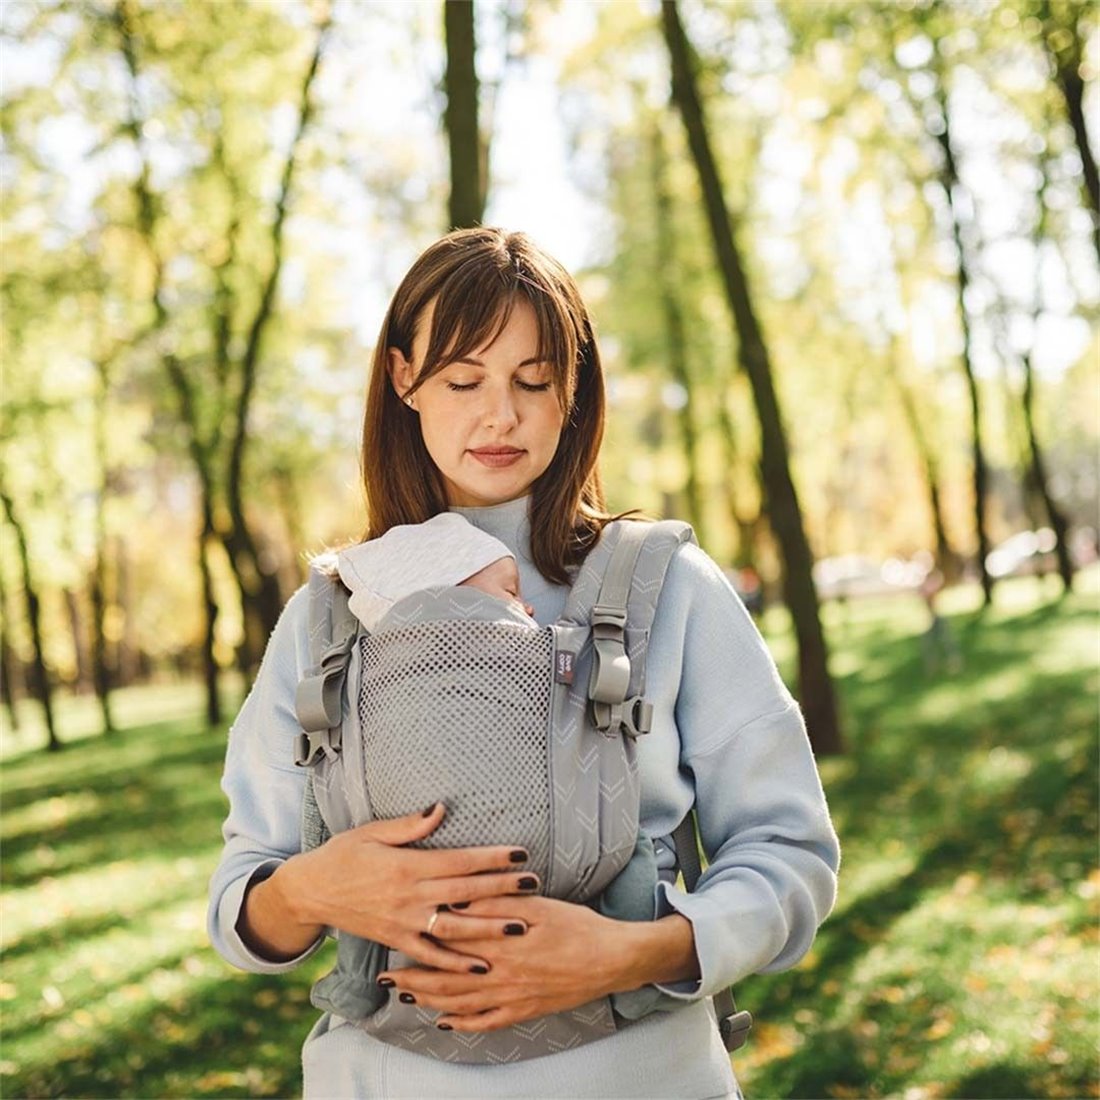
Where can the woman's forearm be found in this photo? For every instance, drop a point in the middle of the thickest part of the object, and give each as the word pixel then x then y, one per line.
pixel 660 951
pixel 269 922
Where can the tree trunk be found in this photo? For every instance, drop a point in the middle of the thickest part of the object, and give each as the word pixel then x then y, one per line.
pixel 101 669
pixel 1041 481
pixel 79 631
pixel 40 676
pixel 747 527
pixel 949 181
pixel 674 326
pixel 948 561
pixel 1065 64
pixel 265 595
pixel 816 687
pixel 210 620
pixel 467 201
pixel 8 669
pixel 1037 464
pixel 126 654
pixel 205 449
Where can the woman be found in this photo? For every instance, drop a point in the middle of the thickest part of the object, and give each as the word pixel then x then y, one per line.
pixel 486 398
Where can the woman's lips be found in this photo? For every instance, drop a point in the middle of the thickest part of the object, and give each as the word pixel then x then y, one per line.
pixel 497 457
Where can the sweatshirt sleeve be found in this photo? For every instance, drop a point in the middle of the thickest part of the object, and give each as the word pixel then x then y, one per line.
pixel 264 788
pixel 771 849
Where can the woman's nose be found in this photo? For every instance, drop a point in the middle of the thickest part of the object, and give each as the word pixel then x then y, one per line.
pixel 499 411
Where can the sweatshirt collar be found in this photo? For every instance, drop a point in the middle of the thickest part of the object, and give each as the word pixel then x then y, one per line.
pixel 509 522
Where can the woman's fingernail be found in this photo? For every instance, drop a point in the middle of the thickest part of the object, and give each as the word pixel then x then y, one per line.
pixel 406 998
pixel 430 810
pixel 514 929
pixel 386 983
pixel 477 968
pixel 517 855
pixel 460 905
pixel 444 1027
pixel 442 908
pixel 529 882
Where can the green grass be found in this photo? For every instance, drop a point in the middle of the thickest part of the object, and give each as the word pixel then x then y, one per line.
pixel 962 959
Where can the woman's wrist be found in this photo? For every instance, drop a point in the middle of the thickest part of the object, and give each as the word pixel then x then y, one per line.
pixel 656 952
pixel 272 922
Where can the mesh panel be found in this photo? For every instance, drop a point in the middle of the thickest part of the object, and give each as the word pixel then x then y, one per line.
pixel 458 711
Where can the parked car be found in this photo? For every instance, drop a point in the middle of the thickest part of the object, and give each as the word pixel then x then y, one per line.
pixel 1023 553
pixel 858 575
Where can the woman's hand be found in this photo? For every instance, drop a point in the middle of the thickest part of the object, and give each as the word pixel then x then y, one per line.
pixel 556 956
pixel 365 882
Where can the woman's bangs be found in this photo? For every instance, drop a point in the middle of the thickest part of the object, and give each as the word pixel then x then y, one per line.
pixel 471 312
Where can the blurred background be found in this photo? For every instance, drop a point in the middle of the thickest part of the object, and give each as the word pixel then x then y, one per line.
pixel 844 260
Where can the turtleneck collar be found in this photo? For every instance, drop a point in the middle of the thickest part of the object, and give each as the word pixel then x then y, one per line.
pixel 508 522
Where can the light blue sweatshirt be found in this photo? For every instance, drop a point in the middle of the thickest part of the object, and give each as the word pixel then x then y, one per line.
pixel 726 734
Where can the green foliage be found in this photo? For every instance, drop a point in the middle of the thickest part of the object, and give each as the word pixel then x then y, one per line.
pixel 960 961
pixel 818 117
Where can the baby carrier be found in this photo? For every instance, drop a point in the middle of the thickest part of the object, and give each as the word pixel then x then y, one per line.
pixel 527 733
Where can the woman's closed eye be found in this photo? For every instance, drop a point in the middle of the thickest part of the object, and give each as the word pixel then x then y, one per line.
pixel 530 387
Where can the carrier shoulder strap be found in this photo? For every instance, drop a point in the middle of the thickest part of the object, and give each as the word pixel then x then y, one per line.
pixel 615 592
pixel 319 694
pixel 733 1026
pixel 318 701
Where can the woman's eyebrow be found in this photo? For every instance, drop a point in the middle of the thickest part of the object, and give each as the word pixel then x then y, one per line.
pixel 469 361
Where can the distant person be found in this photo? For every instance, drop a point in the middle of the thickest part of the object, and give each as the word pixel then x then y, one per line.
pixel 487 398
pixel 751 589
pixel 938 645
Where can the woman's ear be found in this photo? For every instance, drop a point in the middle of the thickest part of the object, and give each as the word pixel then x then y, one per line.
pixel 401 374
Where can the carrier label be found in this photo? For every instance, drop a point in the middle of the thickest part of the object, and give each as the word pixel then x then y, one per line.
pixel 563 666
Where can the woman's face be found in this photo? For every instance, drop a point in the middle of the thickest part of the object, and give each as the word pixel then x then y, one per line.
pixel 491 421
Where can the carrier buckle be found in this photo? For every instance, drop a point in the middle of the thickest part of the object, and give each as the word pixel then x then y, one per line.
pixel 637 717
pixel 611 619
pixel 633 717
pixel 735 1030
pixel 610 672
pixel 318 703
pixel 311 746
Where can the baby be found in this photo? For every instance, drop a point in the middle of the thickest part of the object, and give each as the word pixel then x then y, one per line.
pixel 444 550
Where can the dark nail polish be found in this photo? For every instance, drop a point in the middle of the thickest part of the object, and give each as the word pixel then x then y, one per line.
pixel 517 855
pixel 442 908
pixel 477 968
pixel 514 930
pixel 460 905
pixel 430 810
pixel 444 1027
pixel 406 998
pixel 529 882
pixel 386 983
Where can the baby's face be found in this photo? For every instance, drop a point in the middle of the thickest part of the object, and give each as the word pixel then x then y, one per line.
pixel 500 579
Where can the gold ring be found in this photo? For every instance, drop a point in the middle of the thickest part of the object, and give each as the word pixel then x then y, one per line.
pixel 431 921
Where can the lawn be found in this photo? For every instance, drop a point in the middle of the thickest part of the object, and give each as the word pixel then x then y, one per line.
pixel 962 959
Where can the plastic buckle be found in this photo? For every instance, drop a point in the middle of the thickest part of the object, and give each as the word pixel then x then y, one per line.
pixel 735 1030
pixel 307 752
pixel 636 717
pixel 613 617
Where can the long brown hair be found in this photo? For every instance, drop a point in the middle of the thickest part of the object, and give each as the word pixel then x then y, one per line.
pixel 475 277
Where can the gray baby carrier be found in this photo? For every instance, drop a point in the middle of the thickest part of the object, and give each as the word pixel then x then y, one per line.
pixel 527 733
